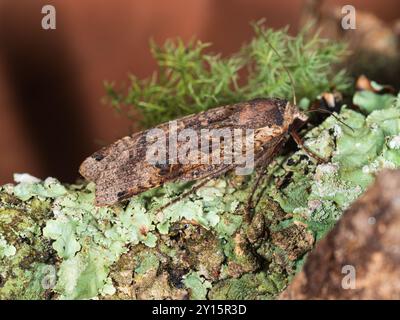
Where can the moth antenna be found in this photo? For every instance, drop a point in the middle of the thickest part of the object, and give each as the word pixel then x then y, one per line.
pixel 287 71
pixel 332 114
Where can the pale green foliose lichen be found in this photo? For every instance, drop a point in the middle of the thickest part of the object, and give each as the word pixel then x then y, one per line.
pixel 54 243
pixel 197 285
pixel 318 193
pixel 6 250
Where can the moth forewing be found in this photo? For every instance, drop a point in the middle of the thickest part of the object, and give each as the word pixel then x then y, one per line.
pixel 122 169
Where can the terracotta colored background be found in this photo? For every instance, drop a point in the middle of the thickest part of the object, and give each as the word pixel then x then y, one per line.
pixel 51 82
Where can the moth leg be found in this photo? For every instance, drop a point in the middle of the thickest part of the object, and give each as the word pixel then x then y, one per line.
pixel 184 195
pixel 300 143
pixel 262 162
pixel 249 204
pixel 194 188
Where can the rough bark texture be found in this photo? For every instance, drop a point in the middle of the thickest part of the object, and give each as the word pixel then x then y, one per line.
pixel 56 244
pixel 367 238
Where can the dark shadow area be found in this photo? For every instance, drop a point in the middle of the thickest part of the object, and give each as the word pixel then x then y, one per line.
pixel 43 76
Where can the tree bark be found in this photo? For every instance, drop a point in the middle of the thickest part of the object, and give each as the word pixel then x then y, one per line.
pixel 360 257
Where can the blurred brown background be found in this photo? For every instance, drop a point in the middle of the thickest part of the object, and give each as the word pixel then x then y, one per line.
pixel 51 81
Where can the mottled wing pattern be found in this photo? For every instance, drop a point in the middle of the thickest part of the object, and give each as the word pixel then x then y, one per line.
pixel 120 170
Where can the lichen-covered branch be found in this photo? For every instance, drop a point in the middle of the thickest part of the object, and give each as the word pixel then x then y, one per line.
pixel 54 243
pixel 359 258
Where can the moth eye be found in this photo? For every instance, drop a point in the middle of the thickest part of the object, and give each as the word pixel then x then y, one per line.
pixel 98 157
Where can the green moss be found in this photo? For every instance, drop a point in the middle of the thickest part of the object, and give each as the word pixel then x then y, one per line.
pixel 54 243
pixel 190 79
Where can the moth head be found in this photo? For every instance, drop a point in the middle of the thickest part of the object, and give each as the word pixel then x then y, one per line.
pixel 299 115
pixel 294 117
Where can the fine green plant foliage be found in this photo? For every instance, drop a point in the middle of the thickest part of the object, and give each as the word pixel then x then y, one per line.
pixel 190 79
pixel 55 243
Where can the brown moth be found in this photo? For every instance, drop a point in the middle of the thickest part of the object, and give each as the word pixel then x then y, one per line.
pixel 121 170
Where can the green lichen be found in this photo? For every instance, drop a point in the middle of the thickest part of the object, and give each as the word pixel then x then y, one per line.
pixel 317 194
pixel 369 101
pixel 27 260
pixel 251 286
pixel 6 250
pixel 54 243
pixel 50 188
pixel 197 285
